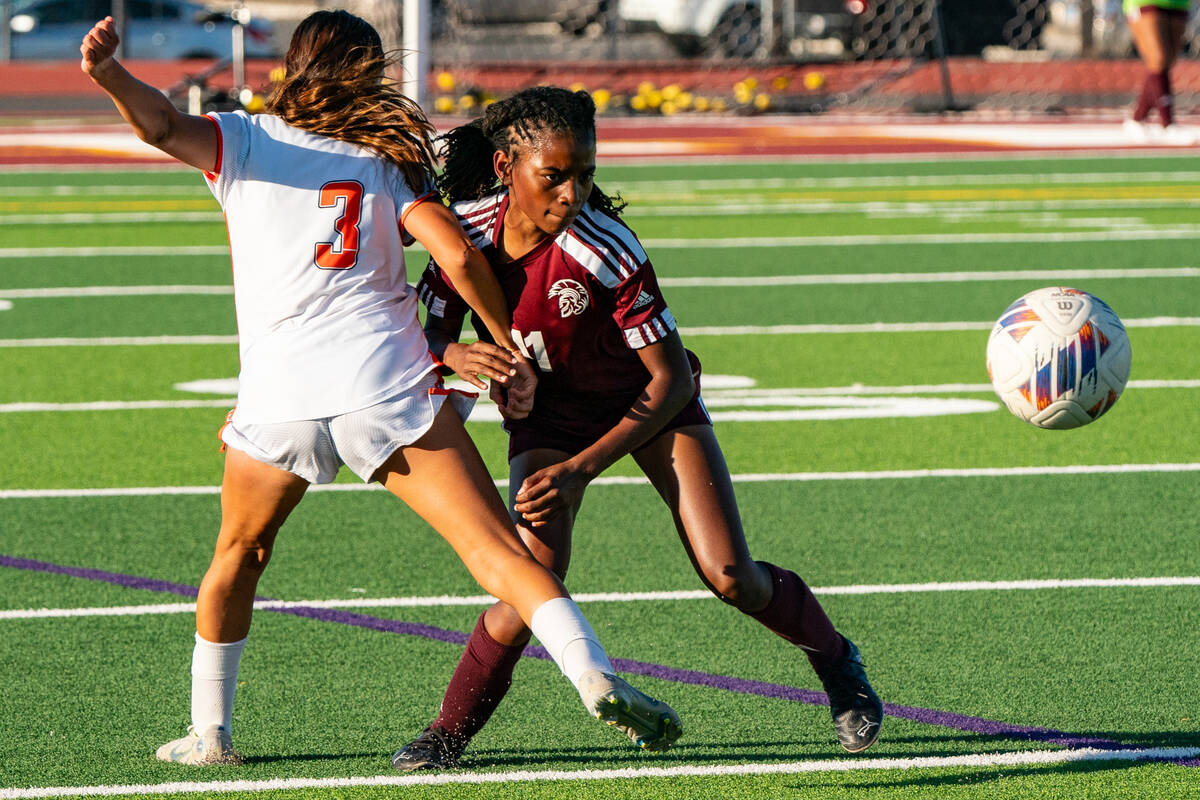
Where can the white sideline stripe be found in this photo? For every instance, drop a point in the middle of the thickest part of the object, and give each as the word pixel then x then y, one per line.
pixel 889 327
pixel 891 208
pixel 713 281
pixel 620 480
pixel 924 277
pixel 676 185
pixel 732 330
pixel 613 597
pixel 663 208
pixel 1103 234
pixel 855 182
pixel 84 252
pixel 119 341
pixel 716 397
pixel 1009 759
pixel 134 217
pixel 114 291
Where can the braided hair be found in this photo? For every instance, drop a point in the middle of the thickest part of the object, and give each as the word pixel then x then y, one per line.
pixel 467 150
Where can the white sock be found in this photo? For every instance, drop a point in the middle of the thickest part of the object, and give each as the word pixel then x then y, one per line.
pixel 214 681
pixel 561 628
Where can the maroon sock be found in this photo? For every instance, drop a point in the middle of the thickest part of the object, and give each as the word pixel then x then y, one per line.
pixel 1153 89
pixel 480 682
pixel 1166 101
pixel 795 615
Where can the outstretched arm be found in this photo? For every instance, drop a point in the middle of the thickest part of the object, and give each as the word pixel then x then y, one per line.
pixel 190 139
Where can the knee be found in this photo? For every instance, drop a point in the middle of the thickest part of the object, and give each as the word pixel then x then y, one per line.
pixel 739 585
pixel 245 550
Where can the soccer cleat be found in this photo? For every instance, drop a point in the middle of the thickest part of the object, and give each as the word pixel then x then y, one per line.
pixel 651 724
pixel 1177 135
pixel 435 748
pixel 857 712
pixel 1135 131
pixel 214 746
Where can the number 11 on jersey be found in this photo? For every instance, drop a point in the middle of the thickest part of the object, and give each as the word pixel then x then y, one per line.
pixel 533 347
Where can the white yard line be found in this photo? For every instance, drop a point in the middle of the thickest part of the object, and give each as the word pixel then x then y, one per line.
pixel 655 207
pixel 620 480
pixel 110 252
pixel 734 330
pixel 116 217
pixel 1101 235
pixel 117 341
pixel 444 601
pixel 814 397
pixel 969 761
pixel 831 279
pixel 115 291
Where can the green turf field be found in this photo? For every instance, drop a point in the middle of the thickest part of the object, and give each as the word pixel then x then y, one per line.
pixel 1026 600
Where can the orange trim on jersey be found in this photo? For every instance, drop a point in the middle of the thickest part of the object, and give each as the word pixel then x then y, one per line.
pixel 212 176
pixel 440 366
pixel 221 430
pixel 441 389
pixel 414 204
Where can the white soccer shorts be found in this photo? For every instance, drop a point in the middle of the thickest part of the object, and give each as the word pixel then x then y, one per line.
pixel 363 440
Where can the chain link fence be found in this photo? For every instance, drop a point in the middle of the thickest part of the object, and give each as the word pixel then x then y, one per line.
pixel 681 57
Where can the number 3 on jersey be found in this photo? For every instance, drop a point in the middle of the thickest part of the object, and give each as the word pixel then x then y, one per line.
pixel 343 252
pixel 533 347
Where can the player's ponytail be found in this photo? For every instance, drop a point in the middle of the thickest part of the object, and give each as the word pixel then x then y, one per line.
pixel 467 173
pixel 334 86
pixel 467 151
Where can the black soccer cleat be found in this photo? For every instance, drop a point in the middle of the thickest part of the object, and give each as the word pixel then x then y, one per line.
pixel 435 748
pixel 857 712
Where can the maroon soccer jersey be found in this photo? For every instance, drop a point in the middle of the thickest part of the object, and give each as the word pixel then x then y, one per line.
pixel 582 303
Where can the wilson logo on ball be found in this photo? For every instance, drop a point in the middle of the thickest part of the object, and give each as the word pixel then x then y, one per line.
pixel 1058 358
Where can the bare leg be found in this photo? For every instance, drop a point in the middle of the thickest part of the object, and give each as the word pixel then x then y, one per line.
pixel 688 469
pixel 255 500
pixel 443 479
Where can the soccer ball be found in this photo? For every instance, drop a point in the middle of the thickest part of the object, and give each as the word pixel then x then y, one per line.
pixel 1058 358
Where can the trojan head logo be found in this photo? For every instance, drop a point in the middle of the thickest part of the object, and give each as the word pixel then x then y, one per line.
pixel 572 297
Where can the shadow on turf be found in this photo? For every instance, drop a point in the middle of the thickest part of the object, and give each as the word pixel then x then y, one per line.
pixel 775 751
pixel 976 777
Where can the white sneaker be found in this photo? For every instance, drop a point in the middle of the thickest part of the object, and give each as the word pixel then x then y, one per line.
pixel 651 724
pixel 1136 131
pixel 214 746
pixel 1177 135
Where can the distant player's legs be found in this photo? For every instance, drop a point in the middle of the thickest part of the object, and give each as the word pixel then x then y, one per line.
pixel 687 468
pixel 255 500
pixel 1158 36
pixel 443 479
pixel 484 674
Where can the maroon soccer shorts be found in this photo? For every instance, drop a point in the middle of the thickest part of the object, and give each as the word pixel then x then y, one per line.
pixel 573 424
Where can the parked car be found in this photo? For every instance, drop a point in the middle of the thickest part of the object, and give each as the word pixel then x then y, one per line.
pixel 573 16
pixel 733 28
pixel 167 29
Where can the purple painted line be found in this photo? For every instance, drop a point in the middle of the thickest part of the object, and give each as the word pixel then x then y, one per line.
pixel 128 581
pixel 373 623
pixel 928 716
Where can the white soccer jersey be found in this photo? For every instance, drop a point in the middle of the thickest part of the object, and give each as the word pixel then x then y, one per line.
pixel 326 321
